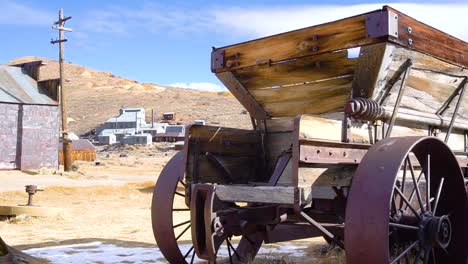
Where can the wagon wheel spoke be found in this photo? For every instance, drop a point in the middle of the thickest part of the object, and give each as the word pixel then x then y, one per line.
pixel 188 252
pixel 427 255
pixel 418 256
pixel 413 192
pixel 402 196
pixel 181 224
pixel 229 251
pixel 180 194
pixel 403 182
pixel 404 253
pixel 433 256
pixel 428 183
pixel 183 232
pixel 193 257
pixel 416 184
pixel 233 249
pixel 439 191
pixel 408 227
pixel 425 205
pixel 248 239
pixel 180 209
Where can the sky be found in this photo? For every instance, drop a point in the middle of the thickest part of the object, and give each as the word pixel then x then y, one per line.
pixel 170 42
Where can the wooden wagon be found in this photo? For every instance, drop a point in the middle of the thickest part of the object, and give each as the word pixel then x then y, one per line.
pixel 367 150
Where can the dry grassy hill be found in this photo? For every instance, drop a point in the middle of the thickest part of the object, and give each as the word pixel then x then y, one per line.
pixel 95 96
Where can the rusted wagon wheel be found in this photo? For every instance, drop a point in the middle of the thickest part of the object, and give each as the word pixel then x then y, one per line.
pixel 169 201
pixel 388 216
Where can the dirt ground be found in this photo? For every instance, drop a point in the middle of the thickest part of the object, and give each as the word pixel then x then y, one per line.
pixel 107 203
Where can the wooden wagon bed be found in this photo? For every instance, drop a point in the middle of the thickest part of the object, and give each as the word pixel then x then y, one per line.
pixel 295 86
pixel 312 70
pixel 342 114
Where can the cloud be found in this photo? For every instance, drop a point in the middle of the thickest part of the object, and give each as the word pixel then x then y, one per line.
pixel 148 18
pixel 202 86
pixel 15 13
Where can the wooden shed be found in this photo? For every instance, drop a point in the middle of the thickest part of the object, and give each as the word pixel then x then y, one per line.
pixel 82 149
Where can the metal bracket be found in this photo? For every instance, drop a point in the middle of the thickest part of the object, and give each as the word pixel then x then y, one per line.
pixel 457 107
pixel 217 59
pixel 405 77
pixel 380 24
pixel 322 229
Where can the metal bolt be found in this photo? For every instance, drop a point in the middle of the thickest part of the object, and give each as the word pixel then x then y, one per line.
pixel 410 41
pixel 410 30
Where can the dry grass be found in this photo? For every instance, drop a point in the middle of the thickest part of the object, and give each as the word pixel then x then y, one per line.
pixel 227 94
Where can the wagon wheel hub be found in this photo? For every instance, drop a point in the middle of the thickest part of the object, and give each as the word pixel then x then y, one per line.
pixel 437 231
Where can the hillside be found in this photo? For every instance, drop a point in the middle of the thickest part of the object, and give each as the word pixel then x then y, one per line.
pixel 95 96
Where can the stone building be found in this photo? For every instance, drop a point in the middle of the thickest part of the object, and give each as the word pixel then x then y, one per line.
pixel 29 118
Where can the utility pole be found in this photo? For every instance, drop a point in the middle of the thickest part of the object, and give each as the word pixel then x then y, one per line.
pixel 67 146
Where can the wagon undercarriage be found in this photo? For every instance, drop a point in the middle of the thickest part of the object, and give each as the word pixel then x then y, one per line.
pixel 367 152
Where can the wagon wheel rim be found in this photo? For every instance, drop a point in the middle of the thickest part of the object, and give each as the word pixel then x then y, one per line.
pixel 169 234
pixel 388 208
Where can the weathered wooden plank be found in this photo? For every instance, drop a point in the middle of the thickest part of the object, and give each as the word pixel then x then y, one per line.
pixel 312 91
pixel 310 106
pixel 315 127
pixel 316 90
pixel 421 37
pixel 275 145
pixel 430 83
pixel 259 194
pixel 242 95
pixel 241 170
pixel 280 124
pixel 224 141
pixel 322 175
pixel 423 61
pixel 342 34
pixel 307 69
pixel 371 66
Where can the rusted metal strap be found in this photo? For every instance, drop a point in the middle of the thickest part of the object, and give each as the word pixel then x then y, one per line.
pixel 394 79
pixel 407 65
pixel 455 112
pixel 322 229
pixel 281 164
pixel 446 104
pixel 242 95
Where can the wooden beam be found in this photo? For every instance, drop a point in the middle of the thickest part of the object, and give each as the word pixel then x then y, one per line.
pixel 371 67
pixel 224 141
pixel 307 69
pixel 259 194
pixel 342 34
pixel 309 106
pixel 310 91
pixel 242 95
pixel 416 35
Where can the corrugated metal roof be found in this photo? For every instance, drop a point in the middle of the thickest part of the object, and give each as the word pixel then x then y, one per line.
pixel 17 86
